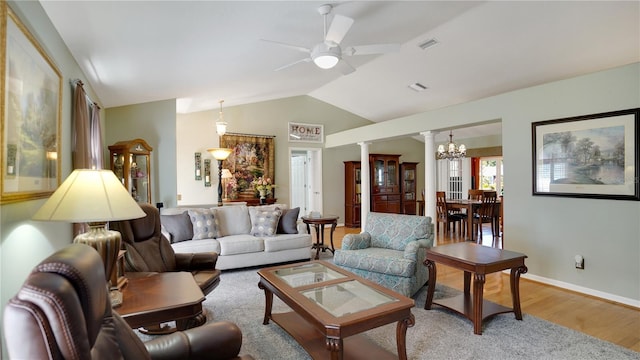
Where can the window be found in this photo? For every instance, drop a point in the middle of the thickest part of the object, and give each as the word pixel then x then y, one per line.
pixel 491 174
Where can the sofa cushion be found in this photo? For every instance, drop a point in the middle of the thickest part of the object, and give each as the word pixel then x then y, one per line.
pixel 394 231
pixel 232 220
pixel 178 226
pixel 197 246
pixel 264 222
pixel 204 225
pixel 286 242
pixel 240 244
pixel 378 260
pixel 288 223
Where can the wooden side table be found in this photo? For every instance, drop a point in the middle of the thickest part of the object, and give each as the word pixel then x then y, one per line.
pixel 319 223
pixel 479 260
pixel 154 298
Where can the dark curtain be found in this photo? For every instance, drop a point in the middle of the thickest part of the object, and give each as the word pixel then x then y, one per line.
pixel 86 137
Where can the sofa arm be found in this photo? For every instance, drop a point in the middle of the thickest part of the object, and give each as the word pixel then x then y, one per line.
pixel 356 241
pixel 302 228
pixel 219 340
pixel 411 250
pixel 196 261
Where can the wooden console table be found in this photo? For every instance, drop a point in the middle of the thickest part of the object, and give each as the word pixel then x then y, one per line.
pixel 479 260
pixel 251 201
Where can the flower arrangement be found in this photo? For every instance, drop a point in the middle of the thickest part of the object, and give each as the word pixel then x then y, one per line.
pixel 262 184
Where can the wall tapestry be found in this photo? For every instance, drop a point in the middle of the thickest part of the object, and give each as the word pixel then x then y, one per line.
pixel 251 158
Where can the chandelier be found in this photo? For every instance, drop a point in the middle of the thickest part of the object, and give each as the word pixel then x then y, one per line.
pixel 221 125
pixel 452 151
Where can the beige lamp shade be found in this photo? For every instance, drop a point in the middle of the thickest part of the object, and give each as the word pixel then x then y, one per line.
pixel 226 174
pixel 220 153
pixel 90 196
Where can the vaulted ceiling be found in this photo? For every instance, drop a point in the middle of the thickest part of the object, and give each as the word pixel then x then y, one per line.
pixel 202 51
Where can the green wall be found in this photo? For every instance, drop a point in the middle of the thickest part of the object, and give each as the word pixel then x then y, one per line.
pixel 155 122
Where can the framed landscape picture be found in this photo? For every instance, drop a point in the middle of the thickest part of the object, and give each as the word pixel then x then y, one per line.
pixel 30 116
pixel 590 156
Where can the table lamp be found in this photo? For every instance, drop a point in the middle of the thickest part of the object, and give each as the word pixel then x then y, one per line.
pixel 226 174
pixel 220 154
pixel 94 197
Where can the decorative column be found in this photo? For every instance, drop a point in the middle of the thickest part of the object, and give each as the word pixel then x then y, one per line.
pixel 365 185
pixel 429 174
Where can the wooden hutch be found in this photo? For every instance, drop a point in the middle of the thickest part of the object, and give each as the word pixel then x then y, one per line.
pixel 393 187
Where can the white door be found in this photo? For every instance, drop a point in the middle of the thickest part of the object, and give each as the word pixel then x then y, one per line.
pixel 305 169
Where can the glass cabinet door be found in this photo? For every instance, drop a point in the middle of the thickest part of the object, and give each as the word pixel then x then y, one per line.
pixel 378 171
pixel 392 173
pixel 130 162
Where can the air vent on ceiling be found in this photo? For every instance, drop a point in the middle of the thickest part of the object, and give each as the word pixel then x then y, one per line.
pixel 417 87
pixel 428 43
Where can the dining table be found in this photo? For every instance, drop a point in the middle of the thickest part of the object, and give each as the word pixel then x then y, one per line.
pixel 471 207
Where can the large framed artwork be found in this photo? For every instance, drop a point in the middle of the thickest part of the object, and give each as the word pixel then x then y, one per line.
pixel 590 156
pixel 30 114
pixel 252 157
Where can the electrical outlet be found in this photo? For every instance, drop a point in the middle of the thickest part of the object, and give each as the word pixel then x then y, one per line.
pixel 579 262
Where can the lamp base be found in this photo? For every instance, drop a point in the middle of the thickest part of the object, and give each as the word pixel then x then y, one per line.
pixel 107 244
pixel 116 298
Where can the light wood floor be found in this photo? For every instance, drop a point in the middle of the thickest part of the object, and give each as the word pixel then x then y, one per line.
pixel 607 320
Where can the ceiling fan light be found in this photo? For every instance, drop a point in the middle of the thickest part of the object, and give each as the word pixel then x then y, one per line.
pixel 326 61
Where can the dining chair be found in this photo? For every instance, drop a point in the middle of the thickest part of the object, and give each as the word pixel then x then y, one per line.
pixel 486 213
pixel 445 215
pixel 475 194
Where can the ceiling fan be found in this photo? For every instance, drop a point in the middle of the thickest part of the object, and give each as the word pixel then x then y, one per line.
pixel 328 53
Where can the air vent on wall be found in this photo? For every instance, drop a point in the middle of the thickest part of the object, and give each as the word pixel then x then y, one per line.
pixel 428 43
pixel 417 87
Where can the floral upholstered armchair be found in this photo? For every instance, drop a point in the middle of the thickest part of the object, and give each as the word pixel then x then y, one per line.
pixel 390 251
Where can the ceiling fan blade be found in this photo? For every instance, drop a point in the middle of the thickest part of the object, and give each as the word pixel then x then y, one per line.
pixel 345 68
pixel 293 63
pixel 338 29
pixel 290 46
pixel 371 49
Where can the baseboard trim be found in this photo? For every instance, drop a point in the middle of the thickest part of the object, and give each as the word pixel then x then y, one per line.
pixel 583 290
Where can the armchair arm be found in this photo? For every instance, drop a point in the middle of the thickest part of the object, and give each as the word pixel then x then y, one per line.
pixel 196 261
pixel 356 241
pixel 411 250
pixel 219 340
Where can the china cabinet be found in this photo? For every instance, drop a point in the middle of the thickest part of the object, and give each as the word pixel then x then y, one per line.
pixel 385 183
pixel 352 194
pixel 408 187
pixel 130 161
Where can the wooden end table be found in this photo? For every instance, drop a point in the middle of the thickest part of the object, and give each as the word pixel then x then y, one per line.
pixel 479 260
pixel 319 223
pixel 149 299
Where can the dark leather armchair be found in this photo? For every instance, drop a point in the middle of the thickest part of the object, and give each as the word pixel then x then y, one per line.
pixel 63 311
pixel 150 251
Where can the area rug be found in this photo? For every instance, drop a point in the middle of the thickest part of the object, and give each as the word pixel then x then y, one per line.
pixel 437 333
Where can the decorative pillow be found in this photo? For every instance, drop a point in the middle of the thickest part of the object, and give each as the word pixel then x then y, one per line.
pixel 232 220
pixel 264 222
pixel 288 223
pixel 204 225
pixel 179 226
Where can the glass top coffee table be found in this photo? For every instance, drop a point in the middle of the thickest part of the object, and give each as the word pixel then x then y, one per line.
pixel 331 307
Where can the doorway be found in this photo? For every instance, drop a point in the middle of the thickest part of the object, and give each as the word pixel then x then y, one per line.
pixel 305 179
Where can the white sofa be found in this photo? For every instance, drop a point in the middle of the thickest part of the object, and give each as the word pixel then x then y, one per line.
pixel 242 236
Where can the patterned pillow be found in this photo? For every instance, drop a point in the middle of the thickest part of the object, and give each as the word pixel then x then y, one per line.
pixel 264 222
pixel 204 226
